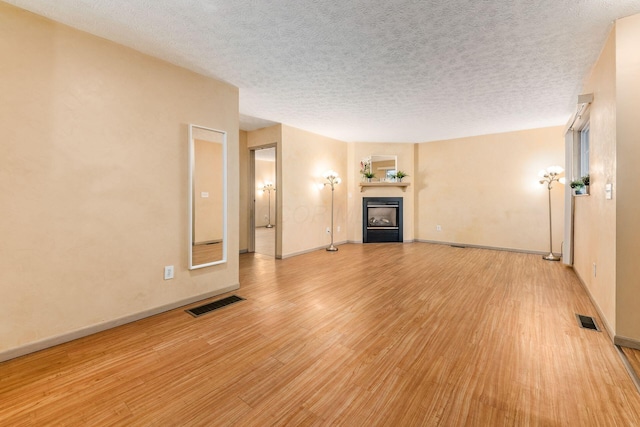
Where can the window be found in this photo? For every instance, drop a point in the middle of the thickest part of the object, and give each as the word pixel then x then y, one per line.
pixel 390 174
pixel 583 151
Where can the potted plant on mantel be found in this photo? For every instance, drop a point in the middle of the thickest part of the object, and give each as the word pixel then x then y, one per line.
pixel 365 170
pixel 580 186
pixel 399 175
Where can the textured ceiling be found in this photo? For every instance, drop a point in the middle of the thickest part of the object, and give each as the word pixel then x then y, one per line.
pixel 371 70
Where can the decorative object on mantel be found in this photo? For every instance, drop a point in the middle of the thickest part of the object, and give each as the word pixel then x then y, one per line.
pixel 402 185
pixel 332 180
pixel 268 187
pixel 549 176
pixel 365 170
pixel 580 186
pixel 399 175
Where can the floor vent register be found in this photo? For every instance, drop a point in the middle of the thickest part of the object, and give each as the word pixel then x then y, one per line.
pixel 209 307
pixel 587 322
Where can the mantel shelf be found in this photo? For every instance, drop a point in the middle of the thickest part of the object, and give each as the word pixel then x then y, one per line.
pixel 402 185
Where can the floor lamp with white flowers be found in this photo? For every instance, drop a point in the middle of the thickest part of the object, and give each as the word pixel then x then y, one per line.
pixel 332 180
pixel 268 187
pixel 549 176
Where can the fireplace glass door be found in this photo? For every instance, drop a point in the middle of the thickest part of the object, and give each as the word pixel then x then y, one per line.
pixel 381 219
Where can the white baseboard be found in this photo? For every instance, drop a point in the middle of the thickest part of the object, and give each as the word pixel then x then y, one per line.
pixel 626 342
pixel 306 251
pixel 603 319
pixel 493 248
pixel 336 244
pixel 360 241
pixel 90 330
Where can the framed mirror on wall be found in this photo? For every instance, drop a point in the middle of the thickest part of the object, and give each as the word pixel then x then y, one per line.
pixel 207 197
pixel 383 166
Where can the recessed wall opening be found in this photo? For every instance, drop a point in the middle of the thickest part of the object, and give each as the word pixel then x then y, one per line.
pixel 264 189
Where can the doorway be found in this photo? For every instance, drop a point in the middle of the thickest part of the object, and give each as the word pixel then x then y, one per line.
pixel 265 189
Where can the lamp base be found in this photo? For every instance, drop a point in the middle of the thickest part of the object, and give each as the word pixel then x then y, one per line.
pixel 551 257
pixel 332 248
pixel 268 226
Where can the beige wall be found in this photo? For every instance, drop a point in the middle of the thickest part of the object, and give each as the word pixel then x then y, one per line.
pixel 509 205
pixel 268 136
pixel 628 180
pixel 300 206
pixel 405 162
pixel 484 190
pixel 595 217
pixel 94 182
pixel 606 231
pixel 304 206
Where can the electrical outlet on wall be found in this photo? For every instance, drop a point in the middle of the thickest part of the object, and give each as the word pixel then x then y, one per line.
pixel 438 227
pixel 328 230
pixel 168 272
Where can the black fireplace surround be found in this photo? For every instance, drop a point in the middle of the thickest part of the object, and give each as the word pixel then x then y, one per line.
pixel 381 219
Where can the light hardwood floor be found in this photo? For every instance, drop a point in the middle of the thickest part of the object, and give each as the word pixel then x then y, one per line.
pixel 376 334
pixel 265 242
pixel 633 357
pixel 203 254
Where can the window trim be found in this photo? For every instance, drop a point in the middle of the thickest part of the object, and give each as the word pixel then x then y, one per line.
pixel 583 154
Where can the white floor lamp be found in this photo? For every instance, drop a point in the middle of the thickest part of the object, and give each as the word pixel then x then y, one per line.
pixel 549 176
pixel 332 180
pixel 268 187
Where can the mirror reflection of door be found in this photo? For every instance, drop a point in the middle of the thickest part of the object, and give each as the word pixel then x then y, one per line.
pixel 265 201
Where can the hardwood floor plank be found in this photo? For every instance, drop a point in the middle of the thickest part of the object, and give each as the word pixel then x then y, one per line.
pixel 376 334
pixel 633 356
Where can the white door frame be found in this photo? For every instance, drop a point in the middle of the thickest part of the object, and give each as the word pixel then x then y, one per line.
pixel 252 193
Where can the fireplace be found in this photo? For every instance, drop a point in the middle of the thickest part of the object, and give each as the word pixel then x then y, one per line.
pixel 381 219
